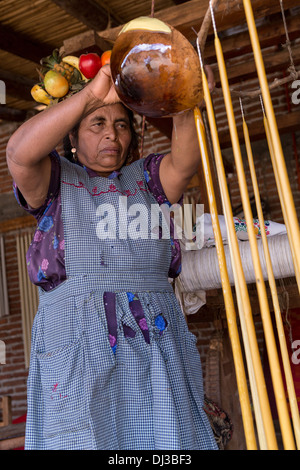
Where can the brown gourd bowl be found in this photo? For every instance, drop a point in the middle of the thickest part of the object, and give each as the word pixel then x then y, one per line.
pixel 155 73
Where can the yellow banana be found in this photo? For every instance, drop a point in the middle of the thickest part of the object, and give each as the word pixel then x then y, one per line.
pixel 40 95
pixel 74 61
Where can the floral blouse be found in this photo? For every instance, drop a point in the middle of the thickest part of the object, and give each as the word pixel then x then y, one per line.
pixel 46 255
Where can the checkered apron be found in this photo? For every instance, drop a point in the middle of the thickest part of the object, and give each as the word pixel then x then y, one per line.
pixel 113 364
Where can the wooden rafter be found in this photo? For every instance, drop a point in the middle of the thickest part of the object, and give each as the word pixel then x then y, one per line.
pixel 11 114
pixel 188 17
pixel 88 41
pixel 286 123
pixel 17 223
pixel 17 85
pixel 22 46
pixel 271 33
pixel 90 13
pixel 278 60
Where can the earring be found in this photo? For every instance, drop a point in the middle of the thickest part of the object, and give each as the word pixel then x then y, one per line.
pixel 73 150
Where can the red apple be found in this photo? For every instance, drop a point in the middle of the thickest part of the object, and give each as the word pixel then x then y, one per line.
pixel 89 64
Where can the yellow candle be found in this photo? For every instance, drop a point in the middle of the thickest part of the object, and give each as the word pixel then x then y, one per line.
pixel 246 320
pixel 290 215
pixel 261 289
pixel 264 402
pixel 280 193
pixel 273 289
pixel 227 293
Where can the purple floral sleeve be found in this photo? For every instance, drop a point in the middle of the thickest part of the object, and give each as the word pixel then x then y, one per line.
pixel 151 172
pixel 45 256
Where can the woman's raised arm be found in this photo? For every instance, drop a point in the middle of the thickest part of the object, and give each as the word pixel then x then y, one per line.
pixel 178 167
pixel 28 149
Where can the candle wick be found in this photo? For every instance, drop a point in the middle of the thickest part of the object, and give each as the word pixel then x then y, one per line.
pixel 242 109
pixel 213 17
pixel 262 104
pixel 199 53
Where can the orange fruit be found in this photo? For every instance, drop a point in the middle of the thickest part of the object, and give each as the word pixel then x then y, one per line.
pixel 105 57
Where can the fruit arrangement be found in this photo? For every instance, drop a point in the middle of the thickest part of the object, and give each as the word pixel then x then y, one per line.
pixel 60 77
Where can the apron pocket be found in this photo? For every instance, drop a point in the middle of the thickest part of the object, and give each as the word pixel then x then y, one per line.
pixel 62 376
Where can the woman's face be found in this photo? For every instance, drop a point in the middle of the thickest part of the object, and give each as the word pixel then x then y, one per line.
pixel 104 138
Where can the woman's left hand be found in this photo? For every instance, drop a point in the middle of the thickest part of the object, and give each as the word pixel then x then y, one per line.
pixel 102 88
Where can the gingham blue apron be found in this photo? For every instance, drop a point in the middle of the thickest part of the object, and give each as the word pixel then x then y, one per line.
pixel 82 392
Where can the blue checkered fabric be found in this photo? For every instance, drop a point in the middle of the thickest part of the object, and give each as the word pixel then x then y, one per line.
pixel 81 393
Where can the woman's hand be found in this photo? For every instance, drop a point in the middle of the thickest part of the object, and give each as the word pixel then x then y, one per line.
pixel 101 88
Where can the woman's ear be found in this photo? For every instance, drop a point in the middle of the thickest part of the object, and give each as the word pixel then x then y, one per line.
pixel 72 139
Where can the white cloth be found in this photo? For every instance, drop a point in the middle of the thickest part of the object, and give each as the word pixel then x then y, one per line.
pixel 200 271
pixel 205 234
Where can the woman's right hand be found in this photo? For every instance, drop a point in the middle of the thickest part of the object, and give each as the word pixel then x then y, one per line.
pixel 101 88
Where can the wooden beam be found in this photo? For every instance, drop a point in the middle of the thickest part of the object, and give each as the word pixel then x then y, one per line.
pixel 6 410
pixel 278 60
pixel 90 13
pixel 12 443
pixel 234 45
pixel 89 41
pixel 12 114
pixel 189 15
pixel 17 223
pixel 270 34
pixel 286 123
pixel 12 436
pixel 21 45
pixel 17 86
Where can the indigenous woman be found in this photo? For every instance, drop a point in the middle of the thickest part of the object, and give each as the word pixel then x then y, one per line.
pixel 113 364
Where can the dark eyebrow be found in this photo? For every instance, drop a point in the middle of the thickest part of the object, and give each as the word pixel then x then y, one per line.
pixel 97 118
pixel 102 118
pixel 122 120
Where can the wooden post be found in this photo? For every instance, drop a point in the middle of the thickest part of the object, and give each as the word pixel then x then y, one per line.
pixel 6 411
